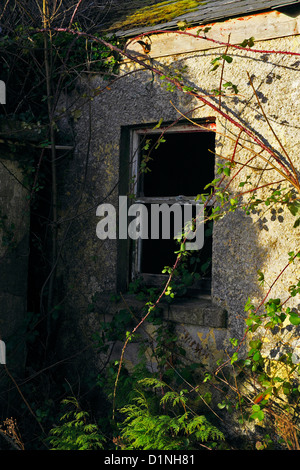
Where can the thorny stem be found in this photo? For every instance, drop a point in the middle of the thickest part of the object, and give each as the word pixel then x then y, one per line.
pixel 221 43
pixel 74 13
pixel 232 158
pixel 257 308
pixel 222 73
pixel 150 309
pixel 179 86
pixel 284 170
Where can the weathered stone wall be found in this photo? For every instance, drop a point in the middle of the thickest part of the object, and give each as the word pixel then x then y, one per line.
pixel 241 244
pixel 14 253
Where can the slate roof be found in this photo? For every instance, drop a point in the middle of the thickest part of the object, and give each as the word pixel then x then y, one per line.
pixel 215 10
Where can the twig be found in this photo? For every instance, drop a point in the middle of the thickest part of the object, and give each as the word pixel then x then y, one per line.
pixel 23 398
pixel 74 13
pixel 269 124
pixel 222 72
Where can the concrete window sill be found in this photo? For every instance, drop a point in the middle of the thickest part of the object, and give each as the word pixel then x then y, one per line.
pixel 188 311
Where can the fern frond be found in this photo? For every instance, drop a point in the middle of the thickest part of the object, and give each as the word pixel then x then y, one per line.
pixel 152 382
pixel 143 429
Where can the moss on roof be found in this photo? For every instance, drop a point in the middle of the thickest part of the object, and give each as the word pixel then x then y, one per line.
pixel 158 13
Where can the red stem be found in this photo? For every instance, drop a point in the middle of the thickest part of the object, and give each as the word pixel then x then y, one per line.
pixel 221 43
pixel 215 108
pixel 180 87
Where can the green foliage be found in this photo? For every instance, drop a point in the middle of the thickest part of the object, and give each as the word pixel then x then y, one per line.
pixel 276 390
pixel 216 62
pixel 69 57
pixel 248 42
pixel 274 393
pixel 163 422
pixel 75 431
pixel 157 415
pixel 173 77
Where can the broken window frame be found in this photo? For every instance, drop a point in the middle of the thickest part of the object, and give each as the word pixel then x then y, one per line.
pixel 135 158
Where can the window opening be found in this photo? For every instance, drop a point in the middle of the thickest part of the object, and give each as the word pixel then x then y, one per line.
pixel 178 169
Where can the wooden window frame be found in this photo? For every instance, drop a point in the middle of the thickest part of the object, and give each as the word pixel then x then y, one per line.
pixel 130 253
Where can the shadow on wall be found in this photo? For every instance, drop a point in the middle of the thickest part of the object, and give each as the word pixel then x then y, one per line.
pixel 237 256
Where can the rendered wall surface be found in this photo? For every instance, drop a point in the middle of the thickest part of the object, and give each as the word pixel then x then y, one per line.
pixel 242 244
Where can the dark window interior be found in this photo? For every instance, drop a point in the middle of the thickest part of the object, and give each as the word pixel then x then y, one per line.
pixel 159 253
pixel 182 165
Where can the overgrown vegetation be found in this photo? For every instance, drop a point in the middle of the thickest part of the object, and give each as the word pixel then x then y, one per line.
pixel 149 425
pixel 180 404
pixel 75 431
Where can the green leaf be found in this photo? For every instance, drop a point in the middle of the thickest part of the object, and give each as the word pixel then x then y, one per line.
pixel 221 406
pixel 255 344
pixel 227 58
pixel 260 415
pixel 248 305
pixel 297 223
pixel 234 357
pixel 248 42
pixel 256 356
pixel 261 277
pixel 159 122
pixel 294 207
pixel 286 387
pixel 294 320
pixel 257 413
pixel 231 85
pixel 234 341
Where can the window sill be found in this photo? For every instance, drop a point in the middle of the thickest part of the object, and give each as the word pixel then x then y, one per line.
pixel 197 311
pixel 189 311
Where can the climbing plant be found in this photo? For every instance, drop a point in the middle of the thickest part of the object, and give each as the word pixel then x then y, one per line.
pixel 167 402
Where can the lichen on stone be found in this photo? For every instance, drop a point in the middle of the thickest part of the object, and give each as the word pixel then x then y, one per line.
pixel 162 12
